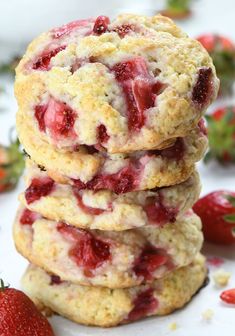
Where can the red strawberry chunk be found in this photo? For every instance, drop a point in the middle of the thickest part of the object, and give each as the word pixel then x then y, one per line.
pixel 228 296
pixel 157 213
pixel 55 280
pixel 143 93
pixel 144 304
pixel 124 181
pixel 43 61
pixel 138 88
pixel 87 251
pixel 124 29
pixel 57 117
pixel 39 112
pixel 28 217
pixel 87 209
pixel 72 26
pixel 149 260
pixel 102 135
pixel 38 188
pixel 203 88
pixel 175 152
pixel 101 25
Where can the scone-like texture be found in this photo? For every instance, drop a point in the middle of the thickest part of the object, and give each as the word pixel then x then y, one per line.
pixel 107 258
pixel 96 170
pixel 131 84
pixel 105 307
pixel 105 210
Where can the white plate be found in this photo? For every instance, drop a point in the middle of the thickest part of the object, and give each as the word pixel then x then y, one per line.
pixel 209 16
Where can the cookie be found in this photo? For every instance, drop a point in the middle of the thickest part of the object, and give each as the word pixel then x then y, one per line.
pixel 105 210
pixel 107 258
pixel 105 307
pixel 135 83
pixel 88 168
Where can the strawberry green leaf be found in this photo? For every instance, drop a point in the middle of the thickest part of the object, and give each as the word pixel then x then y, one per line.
pixel 231 200
pixel 230 218
pixel 179 5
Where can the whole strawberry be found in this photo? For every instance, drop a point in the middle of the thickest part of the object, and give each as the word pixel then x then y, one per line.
pixel 177 9
pixel 221 135
pixel 19 316
pixel 217 212
pixel 222 51
pixel 11 165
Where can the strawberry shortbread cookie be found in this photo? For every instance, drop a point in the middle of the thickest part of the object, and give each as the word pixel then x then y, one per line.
pixel 107 258
pixel 105 210
pixel 134 83
pixel 90 169
pixel 106 307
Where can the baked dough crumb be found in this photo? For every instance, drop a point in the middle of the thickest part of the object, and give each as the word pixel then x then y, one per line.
pixel 221 277
pixel 207 315
pixel 173 326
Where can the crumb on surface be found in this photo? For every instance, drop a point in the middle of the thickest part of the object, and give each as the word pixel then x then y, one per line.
pixel 221 277
pixel 207 315
pixel 173 326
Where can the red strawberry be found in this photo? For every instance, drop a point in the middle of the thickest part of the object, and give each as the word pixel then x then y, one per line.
pixel 19 316
pixel 222 51
pixel 11 166
pixel 217 212
pixel 228 296
pixel 101 25
pixel 221 134
pixel 177 9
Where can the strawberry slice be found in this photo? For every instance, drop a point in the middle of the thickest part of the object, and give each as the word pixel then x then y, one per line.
pixel 228 296
pixel 139 89
pixel 144 304
pixel 203 88
pixel 56 117
pixel 87 251
pixel 43 62
pixel 28 217
pixel 38 188
pixel 149 260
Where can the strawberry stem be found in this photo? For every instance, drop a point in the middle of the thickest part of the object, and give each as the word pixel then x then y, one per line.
pixel 3 286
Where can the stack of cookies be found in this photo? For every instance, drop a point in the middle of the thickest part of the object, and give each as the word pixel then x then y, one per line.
pixel 110 117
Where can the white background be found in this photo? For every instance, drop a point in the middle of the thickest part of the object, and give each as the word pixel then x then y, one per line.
pixel 19 22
